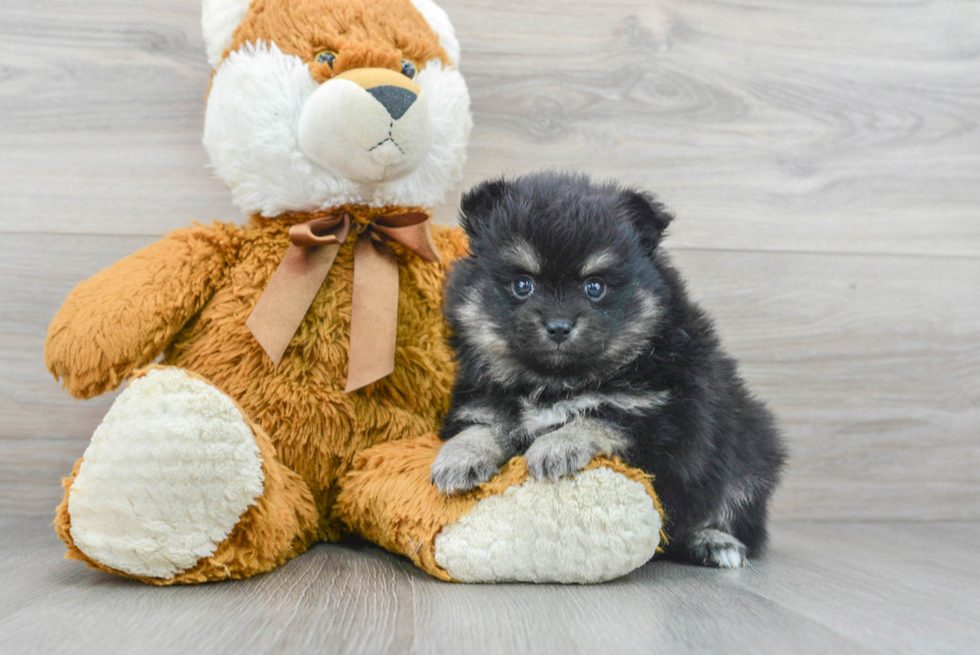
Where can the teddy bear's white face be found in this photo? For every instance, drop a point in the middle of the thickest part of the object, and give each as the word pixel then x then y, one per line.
pixel 314 121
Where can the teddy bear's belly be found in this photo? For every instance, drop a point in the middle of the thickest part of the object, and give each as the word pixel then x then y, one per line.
pixel 316 427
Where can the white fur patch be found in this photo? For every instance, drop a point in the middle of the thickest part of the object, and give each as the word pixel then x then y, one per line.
pixel 439 21
pixel 478 414
pixel 166 477
pixel 593 527
pixel 219 22
pixel 523 255
pixel 597 262
pixel 535 417
pixel 251 133
pixel 729 558
pixel 635 336
pixel 477 325
pixel 343 128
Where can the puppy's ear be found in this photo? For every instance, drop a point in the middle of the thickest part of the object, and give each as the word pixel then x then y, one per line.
pixel 477 203
pixel 649 217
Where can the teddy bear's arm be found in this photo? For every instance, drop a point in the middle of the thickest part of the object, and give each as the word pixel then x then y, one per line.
pixel 123 317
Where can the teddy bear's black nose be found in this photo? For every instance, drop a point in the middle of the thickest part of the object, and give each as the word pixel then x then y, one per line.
pixel 393 98
pixel 559 330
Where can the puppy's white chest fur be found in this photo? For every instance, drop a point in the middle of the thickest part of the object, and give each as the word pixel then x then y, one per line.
pixel 537 417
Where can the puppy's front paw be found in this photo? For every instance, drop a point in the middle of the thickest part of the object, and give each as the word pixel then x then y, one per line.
pixel 558 454
pixel 715 548
pixel 463 463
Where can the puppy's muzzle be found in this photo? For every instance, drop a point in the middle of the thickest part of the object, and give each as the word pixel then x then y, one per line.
pixel 369 124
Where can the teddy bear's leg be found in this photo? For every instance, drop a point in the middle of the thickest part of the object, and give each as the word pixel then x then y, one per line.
pixel 178 486
pixel 595 526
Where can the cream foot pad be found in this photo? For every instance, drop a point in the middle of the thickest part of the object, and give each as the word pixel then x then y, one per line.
pixel 593 527
pixel 166 477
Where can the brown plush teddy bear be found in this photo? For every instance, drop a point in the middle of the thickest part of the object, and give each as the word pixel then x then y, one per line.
pixel 305 367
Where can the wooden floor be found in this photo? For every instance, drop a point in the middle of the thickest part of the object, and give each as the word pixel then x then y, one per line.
pixel 823 588
pixel 823 159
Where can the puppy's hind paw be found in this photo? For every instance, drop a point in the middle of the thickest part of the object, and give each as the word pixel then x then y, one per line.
pixel 715 548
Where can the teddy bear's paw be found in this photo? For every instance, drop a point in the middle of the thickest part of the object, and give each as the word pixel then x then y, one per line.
pixel 167 476
pixel 593 527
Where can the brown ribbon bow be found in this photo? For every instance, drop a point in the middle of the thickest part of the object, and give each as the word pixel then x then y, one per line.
pixel 374 303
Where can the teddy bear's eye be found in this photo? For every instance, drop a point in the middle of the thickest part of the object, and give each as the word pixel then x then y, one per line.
pixel 325 57
pixel 408 69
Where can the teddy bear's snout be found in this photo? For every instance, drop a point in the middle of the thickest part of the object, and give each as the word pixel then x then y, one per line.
pixel 370 124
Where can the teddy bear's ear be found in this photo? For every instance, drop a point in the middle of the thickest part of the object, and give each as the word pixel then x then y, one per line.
pixel 477 204
pixel 650 218
pixel 438 20
pixel 219 20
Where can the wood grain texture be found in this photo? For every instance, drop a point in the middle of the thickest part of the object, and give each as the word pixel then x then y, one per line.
pixel 823 588
pixel 822 158
pixel 831 126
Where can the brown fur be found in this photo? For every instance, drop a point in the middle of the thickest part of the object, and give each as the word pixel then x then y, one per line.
pixel 191 294
pixel 364 33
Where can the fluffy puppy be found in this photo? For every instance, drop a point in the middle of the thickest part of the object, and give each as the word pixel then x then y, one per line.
pixel 575 337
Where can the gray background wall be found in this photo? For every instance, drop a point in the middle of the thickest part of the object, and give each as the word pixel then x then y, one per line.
pixel 823 159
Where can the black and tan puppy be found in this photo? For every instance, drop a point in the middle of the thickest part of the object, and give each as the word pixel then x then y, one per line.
pixel 575 337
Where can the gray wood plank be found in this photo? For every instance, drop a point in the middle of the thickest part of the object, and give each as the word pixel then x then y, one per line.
pixel 333 600
pixel 662 608
pixel 835 587
pixel 832 126
pixel 891 587
pixel 871 364
pixel 819 126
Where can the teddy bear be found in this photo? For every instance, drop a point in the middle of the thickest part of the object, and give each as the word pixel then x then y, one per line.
pixel 286 377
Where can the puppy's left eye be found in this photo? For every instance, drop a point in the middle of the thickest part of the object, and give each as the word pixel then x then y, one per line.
pixel 595 288
pixel 409 69
pixel 523 287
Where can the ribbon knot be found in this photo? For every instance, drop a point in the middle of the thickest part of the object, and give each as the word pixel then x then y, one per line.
pixel 313 247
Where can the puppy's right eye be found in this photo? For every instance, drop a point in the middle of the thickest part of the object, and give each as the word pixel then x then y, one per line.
pixel 595 288
pixel 523 287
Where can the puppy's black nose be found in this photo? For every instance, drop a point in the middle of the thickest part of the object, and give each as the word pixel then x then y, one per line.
pixel 559 330
pixel 393 98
